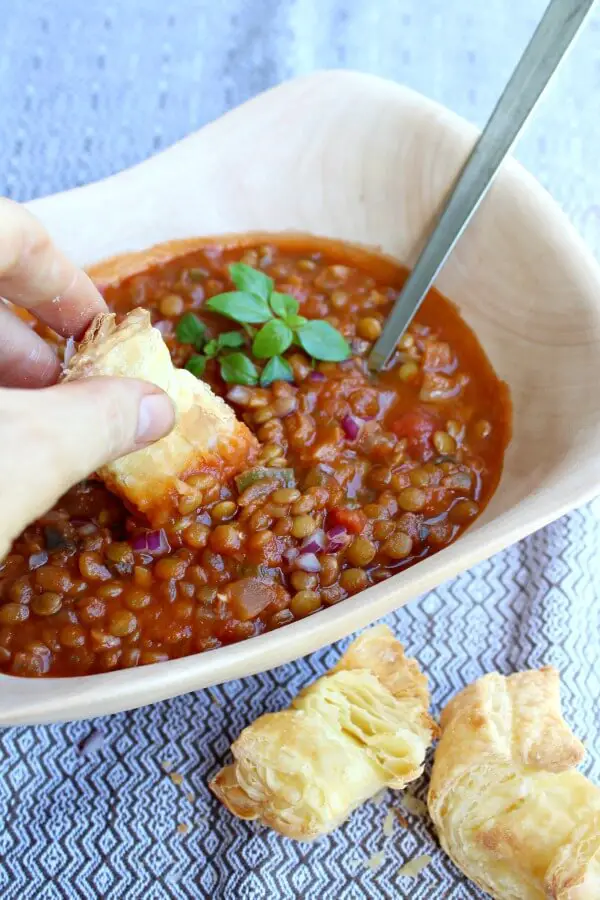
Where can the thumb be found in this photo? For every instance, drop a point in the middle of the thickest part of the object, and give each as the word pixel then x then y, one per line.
pixel 52 438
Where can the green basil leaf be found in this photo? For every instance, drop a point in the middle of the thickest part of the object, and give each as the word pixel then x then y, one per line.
pixel 211 349
pixel 251 280
pixel 273 339
pixel 190 330
pixel 322 341
pixel 277 369
pixel 240 306
pixel 295 321
pixel 196 365
pixel 237 368
pixel 231 339
pixel 283 305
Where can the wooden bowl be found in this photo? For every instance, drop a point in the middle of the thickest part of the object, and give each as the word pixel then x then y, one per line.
pixel 350 156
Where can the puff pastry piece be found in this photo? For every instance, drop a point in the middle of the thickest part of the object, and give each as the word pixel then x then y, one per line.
pixel 362 727
pixel 505 797
pixel 207 436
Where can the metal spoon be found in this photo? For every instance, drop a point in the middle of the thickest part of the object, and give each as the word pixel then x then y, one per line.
pixel 552 38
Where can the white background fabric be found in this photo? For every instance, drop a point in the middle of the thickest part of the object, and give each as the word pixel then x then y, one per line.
pixel 89 88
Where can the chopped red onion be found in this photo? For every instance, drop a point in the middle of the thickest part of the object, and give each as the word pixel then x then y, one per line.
pixel 351 425
pixel 290 555
pixel 337 538
pixel 140 542
pixel 163 326
pixel 239 394
pixel 308 562
pixel 316 376
pixel 315 542
pixel 69 351
pixel 37 559
pixel 151 542
pixel 87 529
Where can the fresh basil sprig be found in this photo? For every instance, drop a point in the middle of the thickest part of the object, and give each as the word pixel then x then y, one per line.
pixel 237 368
pixel 190 330
pixel 255 302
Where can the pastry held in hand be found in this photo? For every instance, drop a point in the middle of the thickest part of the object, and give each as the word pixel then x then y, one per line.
pixel 207 437
pixel 363 727
pixel 505 797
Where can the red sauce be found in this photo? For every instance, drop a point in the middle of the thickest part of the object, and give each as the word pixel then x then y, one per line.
pixel 76 598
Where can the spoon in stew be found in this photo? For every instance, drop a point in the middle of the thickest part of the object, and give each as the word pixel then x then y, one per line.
pixel 552 38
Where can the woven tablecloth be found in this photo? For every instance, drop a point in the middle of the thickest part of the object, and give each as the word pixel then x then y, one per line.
pixel 87 88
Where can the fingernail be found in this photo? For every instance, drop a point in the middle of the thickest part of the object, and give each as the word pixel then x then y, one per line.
pixel 155 418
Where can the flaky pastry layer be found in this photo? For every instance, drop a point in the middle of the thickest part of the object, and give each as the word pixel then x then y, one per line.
pixel 508 804
pixel 207 436
pixel 362 727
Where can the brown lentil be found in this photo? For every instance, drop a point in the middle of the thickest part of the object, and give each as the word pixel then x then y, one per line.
pixel 444 443
pixel 285 495
pixel 72 636
pixel 382 529
pixel 361 551
pixel 408 371
pixel 196 535
pixel 463 511
pixel 304 603
pixel 60 606
pixel 11 613
pixel 303 526
pixel 171 305
pixel 226 539
pixel 168 568
pixel 398 546
pixel 122 623
pixel 354 580
pixel 46 604
pixel 412 499
pixel 303 581
pixel 482 429
pixel 223 511
pixel 368 328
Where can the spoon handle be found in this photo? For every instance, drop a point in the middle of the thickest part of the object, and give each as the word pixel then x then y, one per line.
pixel 549 44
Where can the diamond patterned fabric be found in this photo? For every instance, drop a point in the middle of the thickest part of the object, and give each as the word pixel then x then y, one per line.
pixel 89 88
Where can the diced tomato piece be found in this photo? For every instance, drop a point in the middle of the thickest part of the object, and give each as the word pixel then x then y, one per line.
pixel 438 356
pixel 353 520
pixel 248 597
pixel 416 426
pixel 415 423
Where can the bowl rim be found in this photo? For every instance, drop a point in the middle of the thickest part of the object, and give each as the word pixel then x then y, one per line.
pixel 29 701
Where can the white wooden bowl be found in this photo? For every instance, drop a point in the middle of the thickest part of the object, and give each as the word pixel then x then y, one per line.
pixel 350 156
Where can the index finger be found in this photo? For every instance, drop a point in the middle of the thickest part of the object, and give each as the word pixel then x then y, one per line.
pixel 35 275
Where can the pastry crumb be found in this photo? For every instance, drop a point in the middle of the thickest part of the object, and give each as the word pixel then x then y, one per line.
pixel 190 797
pixel 176 778
pixel 183 828
pixel 413 805
pixel 375 861
pixel 403 821
pixel 166 765
pixel 414 866
pixel 388 823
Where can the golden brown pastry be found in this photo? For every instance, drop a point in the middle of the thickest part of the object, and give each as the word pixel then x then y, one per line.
pixel 362 727
pixel 207 438
pixel 505 797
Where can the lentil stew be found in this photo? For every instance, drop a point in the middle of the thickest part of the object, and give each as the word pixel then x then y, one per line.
pixel 358 476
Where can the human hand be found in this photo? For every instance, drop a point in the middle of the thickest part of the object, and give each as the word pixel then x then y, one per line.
pixel 53 436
